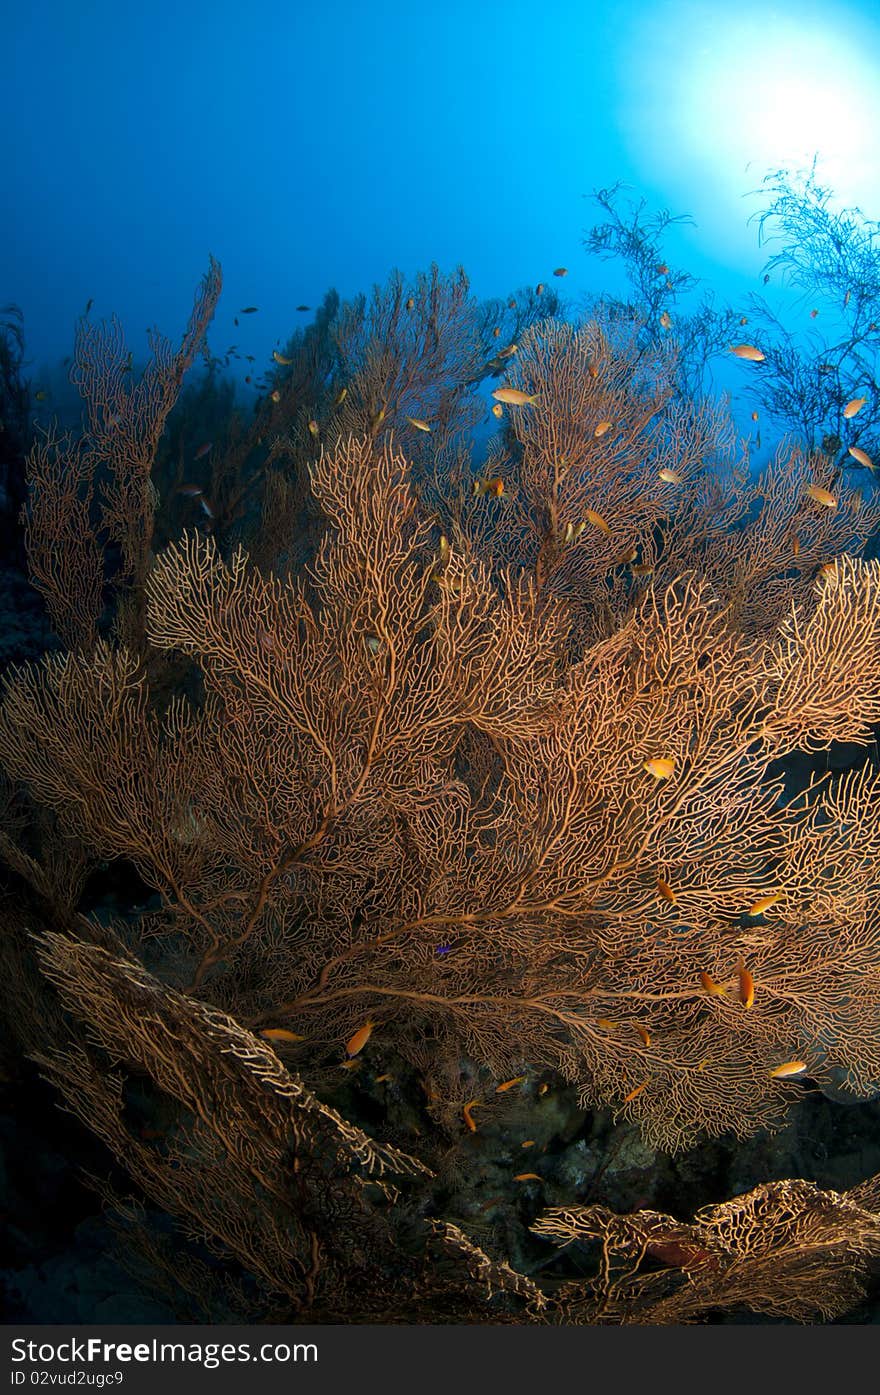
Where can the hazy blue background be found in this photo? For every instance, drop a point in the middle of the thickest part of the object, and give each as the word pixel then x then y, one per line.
pixel 312 144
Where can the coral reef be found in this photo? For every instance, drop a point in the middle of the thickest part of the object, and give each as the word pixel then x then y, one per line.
pixel 474 793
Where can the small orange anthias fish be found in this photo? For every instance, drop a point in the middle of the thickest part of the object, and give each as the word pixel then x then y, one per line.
pixel 634 1094
pixel 822 496
pixel 787 1070
pixel 661 768
pixel 561 271
pixel 748 352
pixel 716 990
pixel 509 1084
pixel 468 1115
pixel 203 450
pixel 514 397
pixel 666 892
pixel 360 1038
pixel 597 521
pixel 495 487
pixel 746 985
pixel 861 456
pixel 764 903
pixel 528 1177
pixel 280 1034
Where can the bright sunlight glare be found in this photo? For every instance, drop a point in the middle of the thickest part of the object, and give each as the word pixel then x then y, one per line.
pixel 747 95
pixel 805 94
